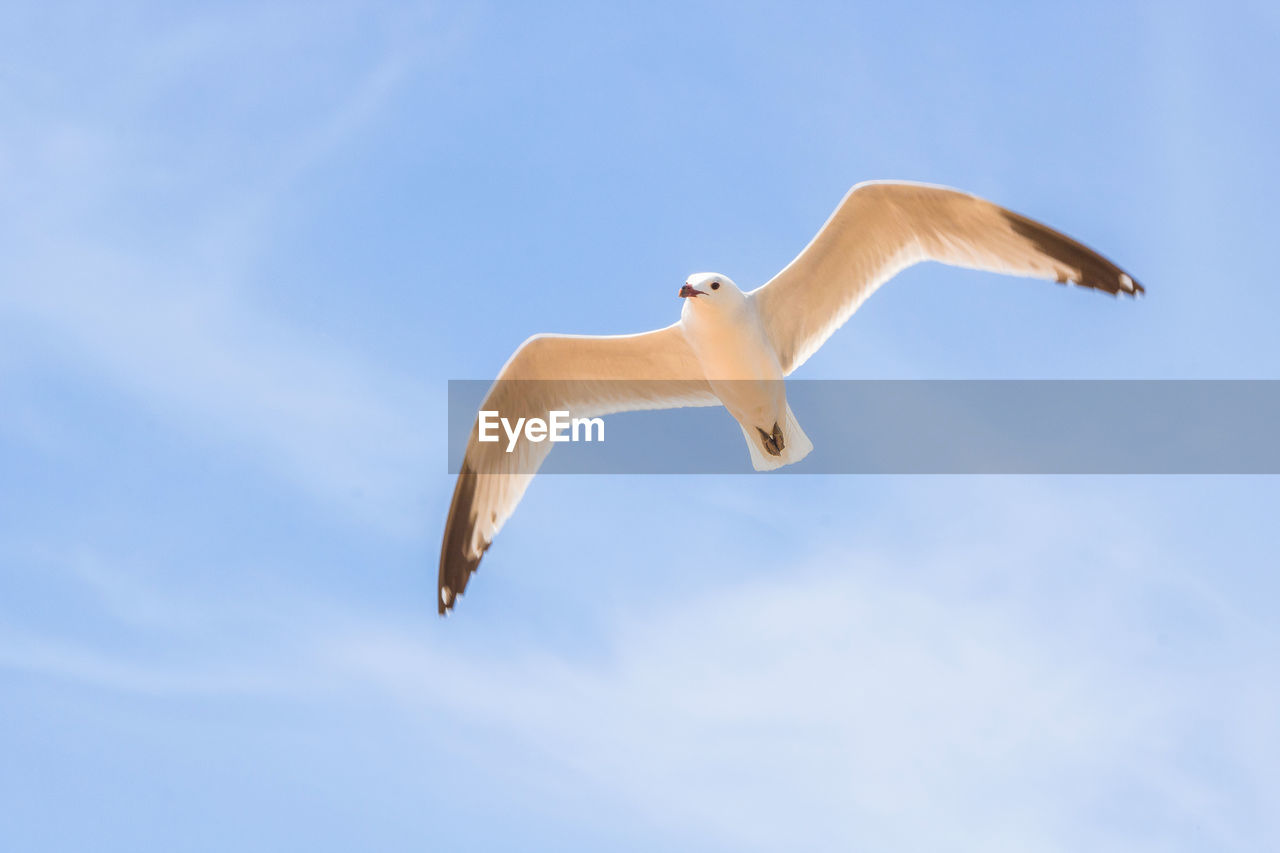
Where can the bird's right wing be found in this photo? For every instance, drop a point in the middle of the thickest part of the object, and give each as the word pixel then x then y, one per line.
pixel 586 376
pixel 883 227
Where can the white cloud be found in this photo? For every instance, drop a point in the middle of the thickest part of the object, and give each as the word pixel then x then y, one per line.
pixel 163 315
pixel 844 708
pixel 26 653
pixel 325 419
pixel 1022 692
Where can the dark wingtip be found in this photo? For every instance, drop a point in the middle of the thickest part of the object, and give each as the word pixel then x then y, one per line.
pixel 456 566
pixel 1092 269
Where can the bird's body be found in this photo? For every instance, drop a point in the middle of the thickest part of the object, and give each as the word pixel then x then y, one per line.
pixel 739 362
pixel 734 348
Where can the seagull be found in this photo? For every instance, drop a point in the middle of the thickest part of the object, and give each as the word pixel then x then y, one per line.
pixel 733 347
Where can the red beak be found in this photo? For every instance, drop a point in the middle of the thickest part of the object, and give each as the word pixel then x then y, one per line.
pixel 689 290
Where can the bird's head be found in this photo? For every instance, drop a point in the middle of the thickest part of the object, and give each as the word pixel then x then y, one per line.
pixel 710 290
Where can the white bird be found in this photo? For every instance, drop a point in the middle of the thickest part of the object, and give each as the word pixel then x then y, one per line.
pixel 733 348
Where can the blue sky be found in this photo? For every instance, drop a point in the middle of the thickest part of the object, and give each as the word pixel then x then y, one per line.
pixel 244 246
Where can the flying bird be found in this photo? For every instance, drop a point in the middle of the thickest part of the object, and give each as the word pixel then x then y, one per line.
pixel 733 347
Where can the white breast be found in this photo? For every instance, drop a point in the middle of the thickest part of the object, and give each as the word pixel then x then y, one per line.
pixel 738 361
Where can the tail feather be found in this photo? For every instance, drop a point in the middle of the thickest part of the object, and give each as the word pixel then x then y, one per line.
pixel 795 445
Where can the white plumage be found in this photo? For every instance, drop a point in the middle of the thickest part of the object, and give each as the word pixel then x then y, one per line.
pixel 733 348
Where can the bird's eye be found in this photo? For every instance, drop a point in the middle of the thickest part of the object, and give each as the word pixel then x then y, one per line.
pixel 715 285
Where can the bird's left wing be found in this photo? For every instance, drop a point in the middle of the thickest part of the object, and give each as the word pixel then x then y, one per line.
pixel 586 376
pixel 883 227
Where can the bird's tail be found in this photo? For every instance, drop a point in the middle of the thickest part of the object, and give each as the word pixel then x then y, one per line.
pixel 771 450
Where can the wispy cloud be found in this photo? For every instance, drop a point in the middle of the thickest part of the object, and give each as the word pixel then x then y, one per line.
pixel 1012 695
pixel 31 654
pixel 850 709
pixel 344 429
pixel 169 322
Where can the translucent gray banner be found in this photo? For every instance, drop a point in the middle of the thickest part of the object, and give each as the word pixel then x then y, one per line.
pixel 895 427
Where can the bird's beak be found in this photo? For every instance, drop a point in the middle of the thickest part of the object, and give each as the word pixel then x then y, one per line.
pixel 689 290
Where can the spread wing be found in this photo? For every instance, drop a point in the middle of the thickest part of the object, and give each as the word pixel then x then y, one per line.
pixel 585 376
pixel 881 228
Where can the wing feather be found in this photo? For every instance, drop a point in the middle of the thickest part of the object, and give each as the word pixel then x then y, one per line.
pixel 881 228
pixel 587 376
